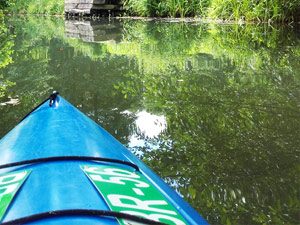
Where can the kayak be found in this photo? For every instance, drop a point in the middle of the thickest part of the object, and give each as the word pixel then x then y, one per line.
pixel 57 166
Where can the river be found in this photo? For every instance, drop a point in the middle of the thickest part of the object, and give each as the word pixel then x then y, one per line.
pixel 213 109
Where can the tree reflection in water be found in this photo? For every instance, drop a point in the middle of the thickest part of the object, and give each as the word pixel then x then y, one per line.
pixel 224 98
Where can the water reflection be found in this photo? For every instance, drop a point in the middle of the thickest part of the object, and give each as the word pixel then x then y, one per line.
pixel 93 31
pixel 219 104
pixel 147 126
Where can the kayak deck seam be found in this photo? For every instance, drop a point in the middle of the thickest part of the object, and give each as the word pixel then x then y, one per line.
pixel 81 212
pixel 69 158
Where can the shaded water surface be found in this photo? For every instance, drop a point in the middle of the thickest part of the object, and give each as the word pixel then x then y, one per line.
pixel 213 109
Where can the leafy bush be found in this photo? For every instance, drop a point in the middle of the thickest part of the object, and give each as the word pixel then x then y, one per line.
pixel 6 3
pixel 48 7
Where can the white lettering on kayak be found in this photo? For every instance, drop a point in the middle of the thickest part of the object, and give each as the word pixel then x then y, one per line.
pixel 119 180
pixel 112 172
pixel 116 200
pixel 155 217
pixel 8 189
pixel 12 178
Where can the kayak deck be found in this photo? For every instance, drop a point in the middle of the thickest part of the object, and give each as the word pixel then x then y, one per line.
pixel 57 142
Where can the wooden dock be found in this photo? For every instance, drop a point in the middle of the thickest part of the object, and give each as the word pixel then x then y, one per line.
pixel 92 7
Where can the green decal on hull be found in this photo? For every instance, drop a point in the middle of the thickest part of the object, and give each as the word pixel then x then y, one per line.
pixel 130 192
pixel 9 185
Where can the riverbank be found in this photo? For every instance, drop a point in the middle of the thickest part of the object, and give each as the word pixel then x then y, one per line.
pixel 250 11
pixel 194 20
pixel 201 20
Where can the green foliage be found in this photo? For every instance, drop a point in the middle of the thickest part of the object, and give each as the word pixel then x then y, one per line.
pixel 137 7
pixel 6 3
pixel 265 10
pixel 172 8
pixel 6 45
pixel 5 86
pixel 249 10
pixel 47 7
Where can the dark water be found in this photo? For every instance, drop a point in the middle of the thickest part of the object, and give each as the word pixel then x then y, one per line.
pixel 213 109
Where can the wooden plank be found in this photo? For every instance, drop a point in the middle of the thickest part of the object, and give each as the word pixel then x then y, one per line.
pixel 78 6
pixel 78 11
pixel 79 1
pixel 99 2
pixel 86 6
pixel 105 7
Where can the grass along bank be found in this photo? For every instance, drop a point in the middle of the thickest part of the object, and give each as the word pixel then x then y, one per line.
pixel 246 10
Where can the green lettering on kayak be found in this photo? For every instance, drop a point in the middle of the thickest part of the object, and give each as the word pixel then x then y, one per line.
pixel 9 185
pixel 130 192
